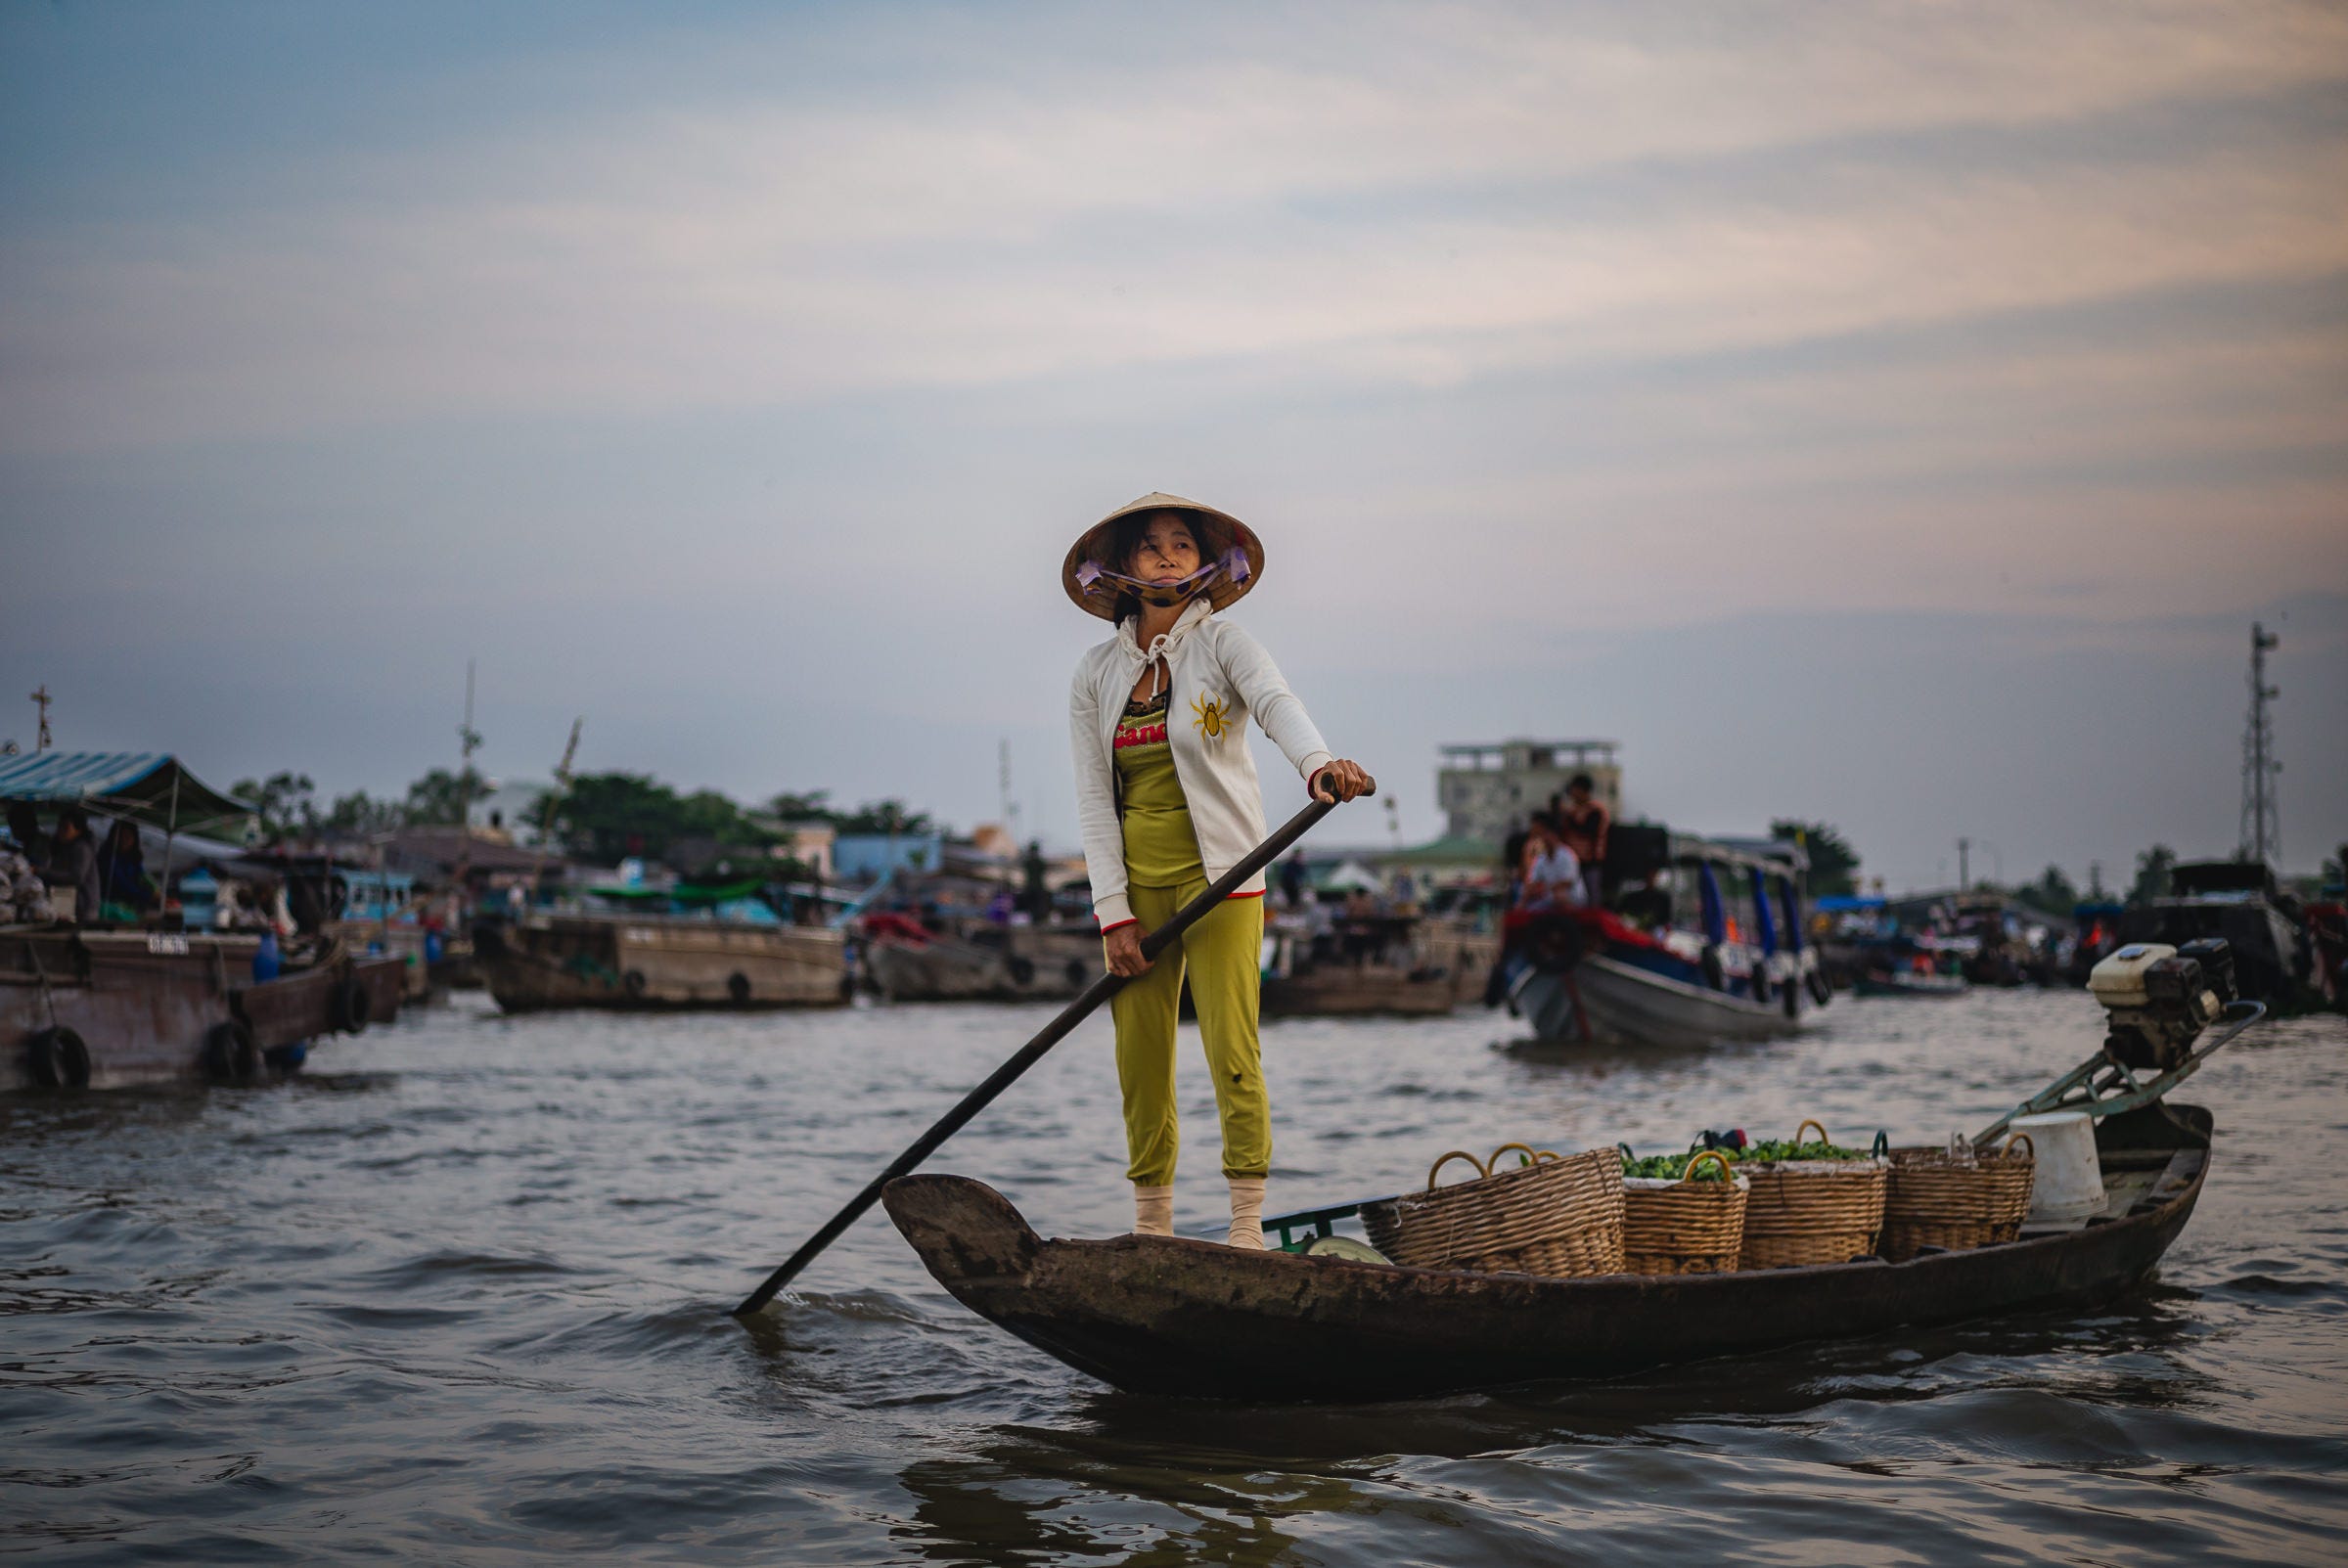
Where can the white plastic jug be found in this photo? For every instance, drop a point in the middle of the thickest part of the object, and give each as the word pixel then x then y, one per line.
pixel 2069 1184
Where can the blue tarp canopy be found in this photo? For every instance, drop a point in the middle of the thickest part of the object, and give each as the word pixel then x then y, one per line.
pixel 1716 914
pixel 146 787
pixel 1843 904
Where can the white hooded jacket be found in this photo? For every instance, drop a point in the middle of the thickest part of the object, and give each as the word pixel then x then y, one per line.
pixel 1221 677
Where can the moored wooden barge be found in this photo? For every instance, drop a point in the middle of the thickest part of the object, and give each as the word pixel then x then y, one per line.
pixel 658 963
pixel 109 1010
pixel 1361 967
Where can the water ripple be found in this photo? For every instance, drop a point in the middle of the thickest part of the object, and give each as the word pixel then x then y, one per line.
pixel 457 1296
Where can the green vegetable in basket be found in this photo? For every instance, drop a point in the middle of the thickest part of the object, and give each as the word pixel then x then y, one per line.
pixel 1673 1167
pixel 1784 1149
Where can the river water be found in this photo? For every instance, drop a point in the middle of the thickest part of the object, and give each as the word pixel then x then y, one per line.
pixel 459 1295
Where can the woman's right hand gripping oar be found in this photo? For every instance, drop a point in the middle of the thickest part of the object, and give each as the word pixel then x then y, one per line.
pixel 1124 951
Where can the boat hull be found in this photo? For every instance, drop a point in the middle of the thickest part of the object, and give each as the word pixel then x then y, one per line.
pixel 1338 991
pixel 1169 1315
pixel 1627 1005
pixel 941 970
pixel 657 965
pixel 1017 963
pixel 146 1007
pixel 1898 985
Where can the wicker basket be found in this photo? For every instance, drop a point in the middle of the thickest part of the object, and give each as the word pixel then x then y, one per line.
pixel 1955 1199
pixel 1687 1226
pixel 1560 1216
pixel 1803 1212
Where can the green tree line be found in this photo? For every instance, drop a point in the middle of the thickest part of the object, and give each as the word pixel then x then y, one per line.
pixel 287 805
pixel 604 817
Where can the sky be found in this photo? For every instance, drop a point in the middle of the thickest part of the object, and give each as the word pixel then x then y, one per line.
pixel 1889 414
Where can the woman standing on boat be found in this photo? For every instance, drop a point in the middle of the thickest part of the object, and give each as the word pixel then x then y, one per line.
pixel 1167 798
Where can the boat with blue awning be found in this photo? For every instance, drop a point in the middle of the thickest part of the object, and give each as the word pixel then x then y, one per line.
pixel 89 1002
pixel 1700 940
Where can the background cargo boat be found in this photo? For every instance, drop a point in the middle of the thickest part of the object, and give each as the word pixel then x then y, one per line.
pixel 2278 954
pixel 977 960
pixel 1363 965
pixel 98 1004
pixel 1912 965
pixel 658 960
pixel 1910 983
pixel 905 961
pixel 109 1010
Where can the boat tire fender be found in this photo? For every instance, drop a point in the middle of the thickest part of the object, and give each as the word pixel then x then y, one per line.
pixel 1790 993
pixel 632 982
pixel 1023 969
pixel 346 1006
pixel 1760 986
pixel 737 985
pixel 230 1055
pixel 1078 975
pixel 58 1058
pixel 1822 991
pixel 1715 975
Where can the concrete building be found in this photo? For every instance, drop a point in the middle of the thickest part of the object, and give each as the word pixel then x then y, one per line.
pixel 1488 791
pixel 860 858
pixel 512 810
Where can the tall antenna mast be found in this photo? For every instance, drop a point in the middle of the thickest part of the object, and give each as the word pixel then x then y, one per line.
pixel 468 740
pixel 2262 814
pixel 1002 779
pixel 40 697
pixel 554 806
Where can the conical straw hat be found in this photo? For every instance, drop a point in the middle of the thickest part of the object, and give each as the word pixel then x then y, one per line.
pixel 1218 532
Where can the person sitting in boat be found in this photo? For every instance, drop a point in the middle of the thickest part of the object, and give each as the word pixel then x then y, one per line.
pixel 24 826
pixel 1582 820
pixel 1296 883
pixel 1552 879
pixel 123 871
pixel 1511 861
pixel 74 863
pixel 1167 799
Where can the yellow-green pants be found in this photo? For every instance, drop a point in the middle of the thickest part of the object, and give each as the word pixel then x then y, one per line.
pixel 1223 956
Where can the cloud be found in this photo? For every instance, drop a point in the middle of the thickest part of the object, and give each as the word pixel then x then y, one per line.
pixel 1060 217
pixel 1604 367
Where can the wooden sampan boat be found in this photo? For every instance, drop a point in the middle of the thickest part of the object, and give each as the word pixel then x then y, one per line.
pixel 1171 1315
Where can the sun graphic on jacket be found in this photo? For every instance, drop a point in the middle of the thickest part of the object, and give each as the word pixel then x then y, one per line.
pixel 1209 717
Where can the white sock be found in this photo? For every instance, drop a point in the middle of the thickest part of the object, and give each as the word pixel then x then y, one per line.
pixel 1247 1211
pixel 1152 1210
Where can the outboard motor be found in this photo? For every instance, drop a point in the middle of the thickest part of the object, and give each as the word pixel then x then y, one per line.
pixel 2158 998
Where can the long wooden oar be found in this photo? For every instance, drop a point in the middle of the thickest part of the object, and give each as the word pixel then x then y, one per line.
pixel 1074 1013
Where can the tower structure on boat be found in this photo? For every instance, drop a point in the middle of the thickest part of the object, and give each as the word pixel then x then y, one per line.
pixel 1488 787
pixel 2262 819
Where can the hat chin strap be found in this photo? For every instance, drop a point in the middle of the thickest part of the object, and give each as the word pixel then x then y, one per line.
pixel 1165 595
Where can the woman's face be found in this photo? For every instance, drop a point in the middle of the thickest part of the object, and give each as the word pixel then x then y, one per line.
pixel 1167 551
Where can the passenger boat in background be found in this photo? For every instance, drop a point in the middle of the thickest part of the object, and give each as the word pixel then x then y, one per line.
pixel 1701 941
